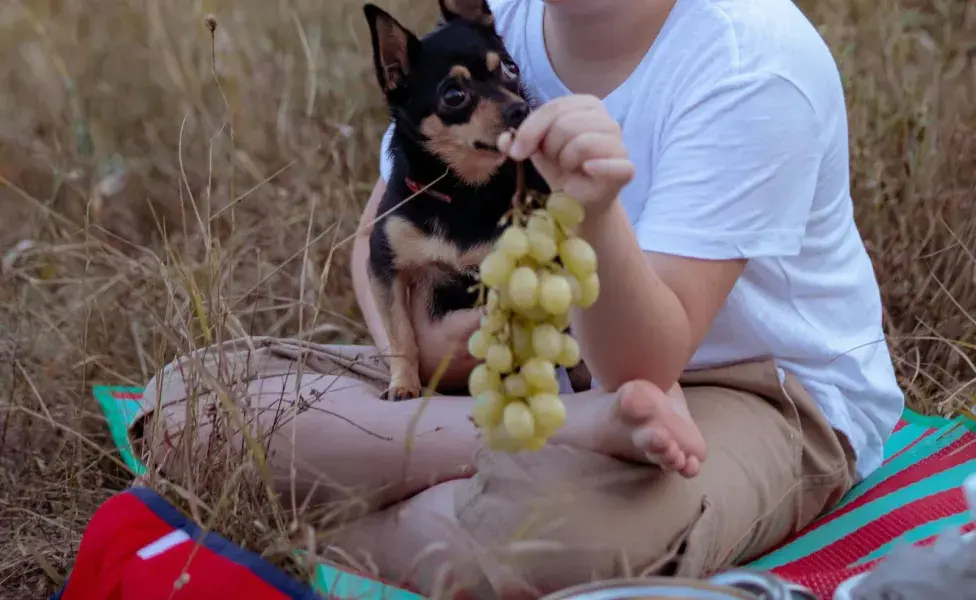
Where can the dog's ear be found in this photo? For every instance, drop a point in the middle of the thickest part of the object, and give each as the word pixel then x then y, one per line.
pixel 394 48
pixel 476 11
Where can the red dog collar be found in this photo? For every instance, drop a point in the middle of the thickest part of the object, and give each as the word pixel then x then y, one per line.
pixel 416 189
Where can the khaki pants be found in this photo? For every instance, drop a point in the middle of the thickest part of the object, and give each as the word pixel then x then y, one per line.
pixel 773 465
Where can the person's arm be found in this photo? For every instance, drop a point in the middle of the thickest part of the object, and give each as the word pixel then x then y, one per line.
pixel 734 180
pixel 358 265
pixel 653 310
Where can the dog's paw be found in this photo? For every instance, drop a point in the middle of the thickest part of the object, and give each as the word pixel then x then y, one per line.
pixel 397 393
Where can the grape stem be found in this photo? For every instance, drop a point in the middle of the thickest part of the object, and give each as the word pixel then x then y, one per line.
pixel 519 185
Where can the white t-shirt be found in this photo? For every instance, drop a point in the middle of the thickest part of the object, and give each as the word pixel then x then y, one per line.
pixel 737 124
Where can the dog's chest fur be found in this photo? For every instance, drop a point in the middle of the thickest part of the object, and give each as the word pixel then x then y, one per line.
pixel 438 241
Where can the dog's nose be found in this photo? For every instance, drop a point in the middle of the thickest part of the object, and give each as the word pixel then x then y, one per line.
pixel 514 113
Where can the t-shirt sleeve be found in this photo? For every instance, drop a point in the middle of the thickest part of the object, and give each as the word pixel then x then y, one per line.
pixel 736 172
pixel 386 161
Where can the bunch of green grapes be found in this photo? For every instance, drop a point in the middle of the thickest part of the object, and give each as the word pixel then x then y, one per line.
pixel 538 270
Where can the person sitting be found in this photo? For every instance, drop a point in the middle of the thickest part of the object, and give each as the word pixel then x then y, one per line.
pixel 743 382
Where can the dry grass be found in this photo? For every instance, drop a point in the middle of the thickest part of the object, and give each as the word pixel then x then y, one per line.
pixel 144 211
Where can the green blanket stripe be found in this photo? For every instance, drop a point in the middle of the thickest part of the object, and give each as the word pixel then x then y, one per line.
pixel 935 421
pixel 903 438
pixel 861 516
pixel 926 447
pixel 918 534
pixel 342 584
pixel 120 414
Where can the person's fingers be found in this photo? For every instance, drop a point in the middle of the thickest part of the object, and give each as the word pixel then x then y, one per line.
pixel 532 131
pixel 572 124
pixel 548 170
pixel 590 146
pixel 620 171
pixel 692 467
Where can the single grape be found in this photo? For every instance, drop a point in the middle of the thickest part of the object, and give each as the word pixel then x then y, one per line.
pixel 555 295
pixel 542 247
pixel 539 373
pixel 496 268
pixel 478 344
pixel 488 408
pixel 504 299
pixel 535 314
pixel 541 222
pixel 589 290
pixel 574 287
pixel 565 209
pixel 578 256
pixel 523 288
pixel 518 420
pixel 548 410
pixel 499 358
pixel 497 438
pixel 561 322
pixel 493 322
pixel 483 379
pixel 547 342
pixel 515 386
pixel 551 386
pixel 521 341
pixel 569 355
pixel 514 242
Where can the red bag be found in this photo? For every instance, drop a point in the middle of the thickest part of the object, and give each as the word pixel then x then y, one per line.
pixel 138 546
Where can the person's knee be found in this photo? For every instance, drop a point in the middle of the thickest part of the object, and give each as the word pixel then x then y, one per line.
pixel 169 442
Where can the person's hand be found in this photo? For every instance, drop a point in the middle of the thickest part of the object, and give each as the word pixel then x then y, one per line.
pixel 436 339
pixel 577 147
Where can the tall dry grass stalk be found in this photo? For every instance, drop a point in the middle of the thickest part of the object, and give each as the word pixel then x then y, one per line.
pixel 159 193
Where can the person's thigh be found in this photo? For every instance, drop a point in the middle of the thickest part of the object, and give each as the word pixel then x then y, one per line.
pixel 562 516
pixel 314 410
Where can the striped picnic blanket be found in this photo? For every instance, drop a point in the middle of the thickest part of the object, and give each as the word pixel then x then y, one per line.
pixel 915 495
pixel 912 498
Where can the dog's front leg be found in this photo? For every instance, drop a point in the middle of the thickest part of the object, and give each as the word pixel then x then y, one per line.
pixel 404 352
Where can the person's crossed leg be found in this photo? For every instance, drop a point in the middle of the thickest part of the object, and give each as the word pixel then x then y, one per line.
pixel 533 523
pixel 587 506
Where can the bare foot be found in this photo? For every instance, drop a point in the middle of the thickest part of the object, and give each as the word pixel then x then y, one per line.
pixel 648 425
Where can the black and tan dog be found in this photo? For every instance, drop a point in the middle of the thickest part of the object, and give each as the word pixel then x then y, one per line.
pixel 450 95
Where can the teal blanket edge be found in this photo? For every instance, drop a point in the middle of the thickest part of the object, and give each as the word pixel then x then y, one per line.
pixel 328 580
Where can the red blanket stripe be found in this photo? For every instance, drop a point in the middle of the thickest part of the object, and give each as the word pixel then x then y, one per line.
pixel 867 539
pixel 824 584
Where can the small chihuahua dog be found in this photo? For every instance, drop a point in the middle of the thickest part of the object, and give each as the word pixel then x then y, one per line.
pixel 450 95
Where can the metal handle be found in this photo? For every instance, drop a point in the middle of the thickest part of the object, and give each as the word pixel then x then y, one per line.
pixel 762 585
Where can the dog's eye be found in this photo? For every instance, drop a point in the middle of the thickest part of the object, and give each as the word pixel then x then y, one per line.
pixel 454 97
pixel 510 69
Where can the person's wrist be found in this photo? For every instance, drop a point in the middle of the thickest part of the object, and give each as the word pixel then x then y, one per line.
pixel 601 217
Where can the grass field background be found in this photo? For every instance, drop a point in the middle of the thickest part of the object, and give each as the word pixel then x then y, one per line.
pixel 145 210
